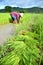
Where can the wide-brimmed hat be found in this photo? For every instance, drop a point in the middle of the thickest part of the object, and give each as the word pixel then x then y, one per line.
pixel 21 14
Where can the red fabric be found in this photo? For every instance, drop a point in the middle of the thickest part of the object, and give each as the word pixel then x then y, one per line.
pixel 15 14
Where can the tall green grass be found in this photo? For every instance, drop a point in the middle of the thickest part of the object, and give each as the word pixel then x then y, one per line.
pixel 4 18
pixel 26 46
pixel 37 27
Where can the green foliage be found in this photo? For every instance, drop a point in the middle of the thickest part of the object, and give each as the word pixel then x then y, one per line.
pixel 37 27
pixel 26 46
pixel 26 18
pixel 8 8
pixel 21 51
pixel 4 18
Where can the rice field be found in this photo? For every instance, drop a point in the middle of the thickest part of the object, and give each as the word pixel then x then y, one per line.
pixel 4 18
pixel 26 46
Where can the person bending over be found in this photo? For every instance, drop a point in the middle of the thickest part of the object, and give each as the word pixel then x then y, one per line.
pixel 15 17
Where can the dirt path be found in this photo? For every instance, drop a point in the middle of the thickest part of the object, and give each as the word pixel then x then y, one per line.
pixel 6 31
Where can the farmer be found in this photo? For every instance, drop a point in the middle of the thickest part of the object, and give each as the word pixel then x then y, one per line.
pixel 15 16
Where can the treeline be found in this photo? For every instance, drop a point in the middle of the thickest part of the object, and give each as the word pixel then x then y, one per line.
pixel 24 10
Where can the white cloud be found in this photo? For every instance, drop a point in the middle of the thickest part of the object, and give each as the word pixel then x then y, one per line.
pixel 2 7
pixel 22 3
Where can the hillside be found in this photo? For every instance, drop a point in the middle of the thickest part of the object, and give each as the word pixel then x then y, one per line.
pixel 31 10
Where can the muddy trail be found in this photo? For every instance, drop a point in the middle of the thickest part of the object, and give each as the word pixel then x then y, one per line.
pixel 6 31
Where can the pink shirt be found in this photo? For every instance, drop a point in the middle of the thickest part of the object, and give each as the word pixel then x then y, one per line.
pixel 15 14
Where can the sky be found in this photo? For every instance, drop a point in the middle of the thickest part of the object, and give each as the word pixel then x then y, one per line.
pixel 21 3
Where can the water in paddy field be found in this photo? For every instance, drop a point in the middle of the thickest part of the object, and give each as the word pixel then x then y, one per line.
pixel 6 32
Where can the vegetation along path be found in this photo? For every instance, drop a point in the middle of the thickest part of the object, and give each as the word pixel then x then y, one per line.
pixel 6 31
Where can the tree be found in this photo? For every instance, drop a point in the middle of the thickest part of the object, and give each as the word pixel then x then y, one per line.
pixel 8 8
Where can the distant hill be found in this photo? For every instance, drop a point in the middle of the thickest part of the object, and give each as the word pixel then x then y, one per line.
pixel 30 10
pixel 35 10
